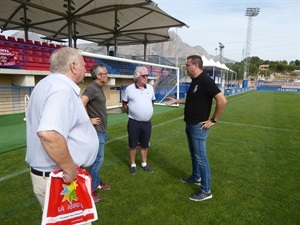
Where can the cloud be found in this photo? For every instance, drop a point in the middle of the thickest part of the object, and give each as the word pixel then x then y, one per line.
pixel 275 31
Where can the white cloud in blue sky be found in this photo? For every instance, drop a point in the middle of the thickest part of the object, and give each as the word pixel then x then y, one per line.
pixel 275 31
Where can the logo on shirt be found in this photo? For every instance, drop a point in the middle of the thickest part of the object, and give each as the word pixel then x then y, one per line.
pixel 195 89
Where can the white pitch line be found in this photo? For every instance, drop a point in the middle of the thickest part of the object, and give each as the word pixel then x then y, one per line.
pixel 161 124
pixel 257 126
pixel 13 175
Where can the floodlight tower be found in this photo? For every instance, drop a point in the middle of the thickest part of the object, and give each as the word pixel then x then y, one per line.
pixel 250 12
pixel 221 46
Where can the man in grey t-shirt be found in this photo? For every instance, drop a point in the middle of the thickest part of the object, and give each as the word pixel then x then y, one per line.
pixel 94 100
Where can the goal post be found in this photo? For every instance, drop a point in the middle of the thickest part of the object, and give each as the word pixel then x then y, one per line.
pixel 164 79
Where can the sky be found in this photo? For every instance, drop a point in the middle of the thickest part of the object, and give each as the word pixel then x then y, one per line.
pixel 275 33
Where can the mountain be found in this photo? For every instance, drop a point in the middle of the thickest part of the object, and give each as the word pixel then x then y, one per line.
pixel 31 36
pixel 164 49
pixel 169 50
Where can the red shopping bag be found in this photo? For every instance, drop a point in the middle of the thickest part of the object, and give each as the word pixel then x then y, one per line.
pixel 67 204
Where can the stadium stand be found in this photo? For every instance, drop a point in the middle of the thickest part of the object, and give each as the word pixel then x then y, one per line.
pixel 32 58
pixel 32 55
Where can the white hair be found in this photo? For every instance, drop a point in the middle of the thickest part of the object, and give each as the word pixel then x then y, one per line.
pixel 61 58
pixel 138 72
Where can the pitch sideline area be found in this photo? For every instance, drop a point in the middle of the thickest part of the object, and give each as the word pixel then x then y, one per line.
pixel 253 156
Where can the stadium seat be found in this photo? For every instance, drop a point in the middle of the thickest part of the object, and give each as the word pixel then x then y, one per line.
pixel 37 52
pixel 21 60
pixel 46 54
pixel 29 58
pixel 46 60
pixel 30 42
pixel 37 43
pixel 29 52
pixel 38 59
pixel 12 39
pixel 2 37
pixel 21 40
pixel 19 50
pixel 86 59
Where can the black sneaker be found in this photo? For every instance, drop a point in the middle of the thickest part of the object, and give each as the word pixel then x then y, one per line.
pixel 133 170
pixel 147 169
pixel 190 180
pixel 201 196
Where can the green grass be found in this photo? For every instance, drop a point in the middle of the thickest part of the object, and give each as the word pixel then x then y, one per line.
pixel 254 153
pixel 12 132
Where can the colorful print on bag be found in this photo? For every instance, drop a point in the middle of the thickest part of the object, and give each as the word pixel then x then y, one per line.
pixel 69 203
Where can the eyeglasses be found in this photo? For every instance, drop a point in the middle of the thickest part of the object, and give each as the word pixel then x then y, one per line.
pixel 144 76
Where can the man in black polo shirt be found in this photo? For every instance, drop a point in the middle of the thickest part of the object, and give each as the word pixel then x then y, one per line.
pixel 198 104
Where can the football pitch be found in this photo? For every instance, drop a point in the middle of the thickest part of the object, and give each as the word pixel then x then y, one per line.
pixel 254 154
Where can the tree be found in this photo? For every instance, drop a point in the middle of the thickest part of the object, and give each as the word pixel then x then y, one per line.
pixel 274 66
pixel 281 68
pixel 238 67
pixel 253 69
pixel 256 61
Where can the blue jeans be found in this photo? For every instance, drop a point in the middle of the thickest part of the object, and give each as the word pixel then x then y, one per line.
pixel 197 146
pixel 94 169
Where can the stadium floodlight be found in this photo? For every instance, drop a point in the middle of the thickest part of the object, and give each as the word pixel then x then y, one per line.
pixel 250 12
pixel 221 46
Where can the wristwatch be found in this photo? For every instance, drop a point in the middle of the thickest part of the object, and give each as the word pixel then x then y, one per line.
pixel 213 120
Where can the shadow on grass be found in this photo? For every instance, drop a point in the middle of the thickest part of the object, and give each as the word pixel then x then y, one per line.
pixel 119 151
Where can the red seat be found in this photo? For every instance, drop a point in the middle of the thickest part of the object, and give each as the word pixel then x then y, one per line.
pixel 38 59
pixel 89 65
pixel 46 60
pixel 19 50
pixel 37 66
pixel 46 54
pixel 21 60
pixel 20 40
pixel 37 43
pixel 37 52
pixel 9 38
pixel 29 58
pixel 30 42
pixel 2 37
pixel 29 52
